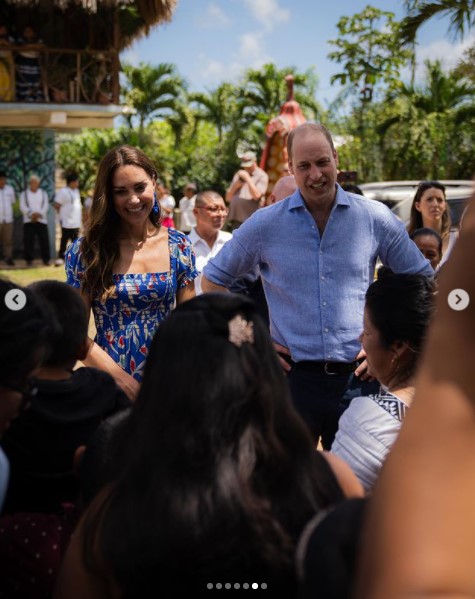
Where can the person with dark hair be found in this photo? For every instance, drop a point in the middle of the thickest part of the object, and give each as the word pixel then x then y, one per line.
pixel 29 569
pixel 397 314
pixel 419 536
pixel 215 475
pixel 23 345
pixel 68 407
pixel 430 244
pixel 68 205
pixel 28 67
pixel 130 270
pixel 430 209
pixel 316 252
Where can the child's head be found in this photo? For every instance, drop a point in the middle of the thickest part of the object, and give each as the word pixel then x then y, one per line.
pixel 70 342
pixel 430 244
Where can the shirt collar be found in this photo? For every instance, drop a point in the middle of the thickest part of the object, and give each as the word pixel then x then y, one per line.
pixel 296 200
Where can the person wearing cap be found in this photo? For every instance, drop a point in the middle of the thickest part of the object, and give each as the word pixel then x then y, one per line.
pixel 68 204
pixel 187 206
pixel 316 251
pixel 247 190
pixel 7 199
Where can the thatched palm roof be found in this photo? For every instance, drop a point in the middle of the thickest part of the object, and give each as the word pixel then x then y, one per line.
pixel 87 23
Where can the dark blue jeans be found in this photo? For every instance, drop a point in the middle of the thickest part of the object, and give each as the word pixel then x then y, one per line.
pixel 322 398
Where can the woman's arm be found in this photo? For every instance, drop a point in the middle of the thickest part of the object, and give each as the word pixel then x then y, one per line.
pixel 97 358
pixel 420 538
pixel 345 476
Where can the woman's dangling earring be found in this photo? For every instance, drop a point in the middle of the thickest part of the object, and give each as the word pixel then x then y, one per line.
pixel 155 208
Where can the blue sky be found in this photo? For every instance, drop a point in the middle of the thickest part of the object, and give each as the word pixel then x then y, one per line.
pixel 211 41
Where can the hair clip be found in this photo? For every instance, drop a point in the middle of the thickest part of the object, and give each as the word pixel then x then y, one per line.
pixel 240 331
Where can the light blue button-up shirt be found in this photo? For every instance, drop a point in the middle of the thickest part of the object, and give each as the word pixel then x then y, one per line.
pixel 315 285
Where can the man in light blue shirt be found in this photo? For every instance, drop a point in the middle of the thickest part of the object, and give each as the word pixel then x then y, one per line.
pixel 317 251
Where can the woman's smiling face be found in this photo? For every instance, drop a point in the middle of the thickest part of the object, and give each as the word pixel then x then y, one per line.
pixel 133 194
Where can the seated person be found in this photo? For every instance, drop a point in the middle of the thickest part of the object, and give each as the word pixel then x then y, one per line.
pixel 29 570
pixel 68 407
pixel 24 342
pixel 430 244
pixel 216 474
pixel 397 313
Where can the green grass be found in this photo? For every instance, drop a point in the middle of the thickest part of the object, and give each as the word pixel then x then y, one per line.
pixel 25 276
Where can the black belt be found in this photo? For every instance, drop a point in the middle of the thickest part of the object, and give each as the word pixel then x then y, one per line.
pixel 331 368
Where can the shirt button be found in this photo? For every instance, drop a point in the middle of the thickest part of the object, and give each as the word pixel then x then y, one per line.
pixel 324 303
pixel 326 330
pixel 322 277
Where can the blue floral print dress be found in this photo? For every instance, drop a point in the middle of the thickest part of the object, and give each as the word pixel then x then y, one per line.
pixel 127 320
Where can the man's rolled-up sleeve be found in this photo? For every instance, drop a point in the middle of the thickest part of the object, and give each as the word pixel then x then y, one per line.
pixel 400 253
pixel 238 256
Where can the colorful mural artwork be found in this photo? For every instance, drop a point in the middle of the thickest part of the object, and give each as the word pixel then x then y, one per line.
pixel 26 152
pixel 274 158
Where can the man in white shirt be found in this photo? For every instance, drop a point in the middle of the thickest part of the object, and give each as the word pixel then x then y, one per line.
pixel 207 238
pixel 34 207
pixel 187 205
pixel 68 203
pixel 7 199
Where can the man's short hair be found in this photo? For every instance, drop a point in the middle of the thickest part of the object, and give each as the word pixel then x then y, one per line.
pixel 309 126
pixel 208 195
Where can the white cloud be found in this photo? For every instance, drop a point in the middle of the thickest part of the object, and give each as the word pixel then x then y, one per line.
pixel 268 12
pixel 214 17
pixel 213 72
pixel 130 57
pixel 251 50
pixel 449 54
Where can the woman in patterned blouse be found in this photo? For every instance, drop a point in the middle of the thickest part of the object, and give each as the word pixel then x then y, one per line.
pixel 130 270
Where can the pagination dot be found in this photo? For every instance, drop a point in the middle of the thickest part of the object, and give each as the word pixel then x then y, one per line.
pixel 210 585
pixel 245 585
pixel 237 585
pixel 263 585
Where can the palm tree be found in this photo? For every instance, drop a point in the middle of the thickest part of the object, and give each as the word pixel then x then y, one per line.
pixel 461 13
pixel 425 120
pixel 153 91
pixel 264 91
pixel 218 107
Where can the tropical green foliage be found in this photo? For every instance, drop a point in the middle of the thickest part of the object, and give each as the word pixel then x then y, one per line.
pixel 368 47
pixel 390 128
pixel 460 12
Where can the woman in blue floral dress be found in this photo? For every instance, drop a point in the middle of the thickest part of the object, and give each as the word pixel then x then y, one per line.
pixel 130 270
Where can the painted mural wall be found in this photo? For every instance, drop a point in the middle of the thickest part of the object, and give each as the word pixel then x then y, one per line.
pixel 26 152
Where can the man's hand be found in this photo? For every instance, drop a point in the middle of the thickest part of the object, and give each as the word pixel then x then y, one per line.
pixel 244 176
pixel 35 217
pixel 362 370
pixel 280 349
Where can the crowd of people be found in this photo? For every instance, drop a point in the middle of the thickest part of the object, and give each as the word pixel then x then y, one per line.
pixel 203 441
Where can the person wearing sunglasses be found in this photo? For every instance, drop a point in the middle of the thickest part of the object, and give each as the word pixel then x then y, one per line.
pixel 23 346
pixel 207 236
